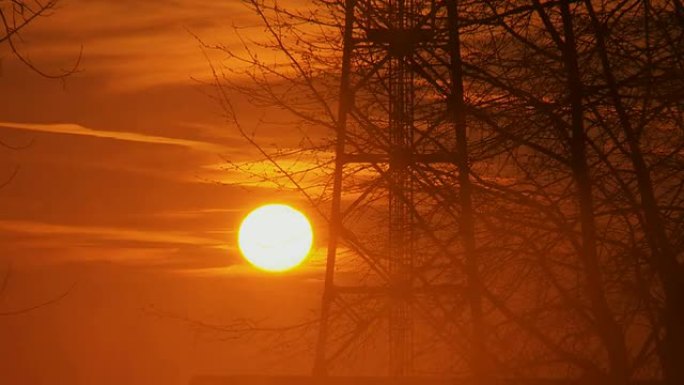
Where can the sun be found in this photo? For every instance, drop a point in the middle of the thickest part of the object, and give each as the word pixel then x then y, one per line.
pixel 275 237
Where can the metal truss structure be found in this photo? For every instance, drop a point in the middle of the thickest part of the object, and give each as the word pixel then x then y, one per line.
pixel 395 282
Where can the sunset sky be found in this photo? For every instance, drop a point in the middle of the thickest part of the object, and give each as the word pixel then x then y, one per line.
pixel 329 191
pixel 121 199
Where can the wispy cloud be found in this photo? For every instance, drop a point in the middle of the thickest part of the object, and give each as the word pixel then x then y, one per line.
pixel 76 129
pixel 310 269
pixel 137 44
pixel 196 213
pixel 108 233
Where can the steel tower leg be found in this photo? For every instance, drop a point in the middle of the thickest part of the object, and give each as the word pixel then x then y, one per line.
pixel 391 124
pixel 320 363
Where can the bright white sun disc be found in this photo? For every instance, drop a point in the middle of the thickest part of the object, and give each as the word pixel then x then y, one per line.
pixel 275 237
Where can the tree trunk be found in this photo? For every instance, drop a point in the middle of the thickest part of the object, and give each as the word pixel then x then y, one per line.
pixel 456 103
pixel 668 269
pixel 608 328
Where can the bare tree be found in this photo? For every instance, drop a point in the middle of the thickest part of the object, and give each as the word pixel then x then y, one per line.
pixel 15 17
pixel 566 196
pixel 611 89
pixel 4 284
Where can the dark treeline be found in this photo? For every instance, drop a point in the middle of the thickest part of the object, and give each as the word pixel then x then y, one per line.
pixel 561 206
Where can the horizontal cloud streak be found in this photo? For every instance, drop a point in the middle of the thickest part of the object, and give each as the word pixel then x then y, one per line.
pixel 76 129
pixel 108 233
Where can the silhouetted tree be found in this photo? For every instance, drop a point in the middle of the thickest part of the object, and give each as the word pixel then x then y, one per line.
pixel 15 17
pixel 593 116
pixel 567 193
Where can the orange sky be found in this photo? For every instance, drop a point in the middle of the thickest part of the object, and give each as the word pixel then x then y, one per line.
pixel 116 196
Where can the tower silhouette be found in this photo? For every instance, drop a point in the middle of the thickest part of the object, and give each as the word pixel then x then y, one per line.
pixel 396 258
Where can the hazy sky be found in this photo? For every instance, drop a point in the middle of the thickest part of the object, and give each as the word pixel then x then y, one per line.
pixel 117 198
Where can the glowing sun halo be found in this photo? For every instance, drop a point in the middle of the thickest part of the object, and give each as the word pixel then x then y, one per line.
pixel 275 237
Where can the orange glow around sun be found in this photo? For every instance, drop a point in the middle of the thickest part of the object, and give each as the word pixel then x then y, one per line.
pixel 275 237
